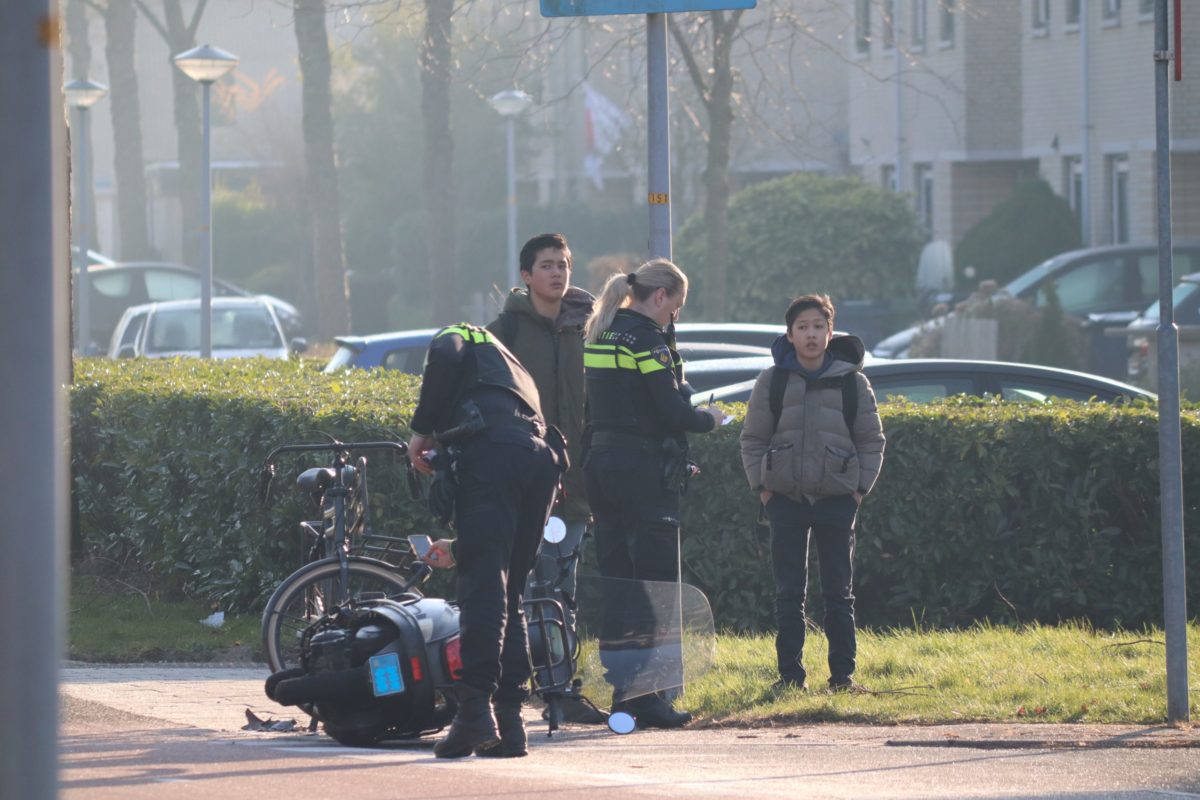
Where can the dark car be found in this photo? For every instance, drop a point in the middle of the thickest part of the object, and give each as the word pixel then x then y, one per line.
pixel 115 287
pixel 922 380
pixel 402 350
pixel 1108 285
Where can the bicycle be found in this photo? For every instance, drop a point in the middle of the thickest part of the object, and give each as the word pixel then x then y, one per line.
pixel 344 560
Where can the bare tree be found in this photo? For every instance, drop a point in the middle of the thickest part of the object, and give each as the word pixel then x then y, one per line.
pixel 120 20
pixel 714 86
pixel 324 206
pixel 436 66
pixel 180 35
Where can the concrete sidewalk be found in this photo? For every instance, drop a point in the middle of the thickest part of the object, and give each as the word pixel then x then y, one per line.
pixel 216 697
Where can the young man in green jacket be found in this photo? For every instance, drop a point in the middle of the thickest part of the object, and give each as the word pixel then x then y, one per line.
pixel 542 325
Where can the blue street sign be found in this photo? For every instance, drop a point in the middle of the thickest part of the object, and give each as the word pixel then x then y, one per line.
pixel 592 8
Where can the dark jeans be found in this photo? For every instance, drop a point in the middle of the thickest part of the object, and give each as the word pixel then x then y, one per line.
pixel 831 522
pixel 637 540
pixel 504 496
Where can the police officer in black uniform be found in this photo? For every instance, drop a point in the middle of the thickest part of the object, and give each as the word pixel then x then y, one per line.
pixel 639 415
pixel 477 398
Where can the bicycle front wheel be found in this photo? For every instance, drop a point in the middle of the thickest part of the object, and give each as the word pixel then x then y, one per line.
pixel 311 591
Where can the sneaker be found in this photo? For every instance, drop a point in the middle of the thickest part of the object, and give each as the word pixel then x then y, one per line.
pixel 786 683
pixel 848 685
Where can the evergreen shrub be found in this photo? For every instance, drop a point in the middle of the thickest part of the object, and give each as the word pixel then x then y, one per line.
pixel 985 510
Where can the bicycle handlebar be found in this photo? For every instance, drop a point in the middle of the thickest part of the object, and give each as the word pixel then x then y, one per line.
pixel 336 447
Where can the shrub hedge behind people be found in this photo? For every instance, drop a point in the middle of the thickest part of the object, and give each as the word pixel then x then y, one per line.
pixel 986 510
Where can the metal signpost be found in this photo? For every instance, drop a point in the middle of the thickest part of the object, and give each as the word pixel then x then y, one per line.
pixel 1170 456
pixel 658 136
pixel 35 267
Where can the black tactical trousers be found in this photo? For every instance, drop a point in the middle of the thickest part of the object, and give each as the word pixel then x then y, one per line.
pixel 637 549
pixel 504 496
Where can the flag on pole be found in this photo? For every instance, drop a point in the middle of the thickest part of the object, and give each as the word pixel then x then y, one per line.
pixel 604 123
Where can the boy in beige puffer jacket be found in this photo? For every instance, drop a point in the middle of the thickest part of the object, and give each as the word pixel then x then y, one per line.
pixel 812 467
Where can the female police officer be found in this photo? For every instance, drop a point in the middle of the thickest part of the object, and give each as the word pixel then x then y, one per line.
pixel 639 415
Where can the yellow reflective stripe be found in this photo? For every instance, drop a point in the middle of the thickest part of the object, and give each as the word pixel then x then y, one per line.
pixel 471 334
pixel 650 365
pixel 608 357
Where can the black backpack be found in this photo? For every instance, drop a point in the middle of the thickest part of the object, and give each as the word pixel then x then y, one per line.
pixel 779 379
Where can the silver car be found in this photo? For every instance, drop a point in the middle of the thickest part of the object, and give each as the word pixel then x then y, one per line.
pixel 241 326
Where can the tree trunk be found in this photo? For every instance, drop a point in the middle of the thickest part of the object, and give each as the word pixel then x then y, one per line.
pixel 312 43
pixel 79 48
pixel 188 134
pixel 132 233
pixel 436 61
pixel 716 173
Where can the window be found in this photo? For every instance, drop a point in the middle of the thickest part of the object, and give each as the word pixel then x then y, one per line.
pixel 889 24
pixel 1181 264
pixel 1091 287
pixel 1071 13
pixel 946 24
pixel 1110 11
pixel 919 24
pixel 887 177
pixel 1073 185
pixel 1118 197
pixel 170 285
pixel 862 27
pixel 920 389
pixel 1041 16
pixel 1041 391
pixel 1146 9
pixel 130 334
pixel 923 184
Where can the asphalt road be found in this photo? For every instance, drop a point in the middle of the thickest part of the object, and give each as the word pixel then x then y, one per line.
pixel 155 732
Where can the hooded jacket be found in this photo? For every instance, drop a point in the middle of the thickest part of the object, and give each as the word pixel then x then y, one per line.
pixel 812 454
pixel 552 352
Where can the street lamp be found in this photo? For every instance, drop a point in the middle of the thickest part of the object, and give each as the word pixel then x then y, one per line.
pixel 206 64
pixel 82 94
pixel 510 104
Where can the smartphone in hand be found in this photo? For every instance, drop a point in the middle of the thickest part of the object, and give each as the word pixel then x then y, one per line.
pixel 420 544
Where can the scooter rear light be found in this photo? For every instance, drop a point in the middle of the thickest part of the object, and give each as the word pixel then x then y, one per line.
pixel 453 653
pixel 417 672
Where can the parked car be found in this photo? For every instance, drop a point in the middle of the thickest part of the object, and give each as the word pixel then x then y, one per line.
pixel 1108 285
pixel 706 375
pixel 115 287
pixel 704 351
pixel 1143 360
pixel 241 326
pixel 747 333
pixel 402 350
pixel 922 380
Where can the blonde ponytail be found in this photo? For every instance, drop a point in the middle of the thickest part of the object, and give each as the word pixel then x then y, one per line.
pixel 614 294
pixel 639 284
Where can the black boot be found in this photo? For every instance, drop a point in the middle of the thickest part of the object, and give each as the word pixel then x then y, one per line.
pixel 652 711
pixel 513 741
pixel 473 726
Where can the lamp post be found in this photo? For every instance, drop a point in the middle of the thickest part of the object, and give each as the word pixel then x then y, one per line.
pixel 510 104
pixel 81 95
pixel 205 65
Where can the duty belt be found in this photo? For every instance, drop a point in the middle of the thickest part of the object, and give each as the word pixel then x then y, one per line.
pixel 626 441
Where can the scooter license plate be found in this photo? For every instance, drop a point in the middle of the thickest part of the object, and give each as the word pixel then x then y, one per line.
pixel 385 675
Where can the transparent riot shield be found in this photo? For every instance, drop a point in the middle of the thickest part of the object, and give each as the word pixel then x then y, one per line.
pixel 643 636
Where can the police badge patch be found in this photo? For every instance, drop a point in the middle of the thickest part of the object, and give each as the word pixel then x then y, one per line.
pixel 662 354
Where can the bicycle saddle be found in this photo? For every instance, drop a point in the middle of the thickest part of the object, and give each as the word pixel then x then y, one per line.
pixel 317 479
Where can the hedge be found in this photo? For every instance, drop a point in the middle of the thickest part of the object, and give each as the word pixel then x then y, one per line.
pixel 985 510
